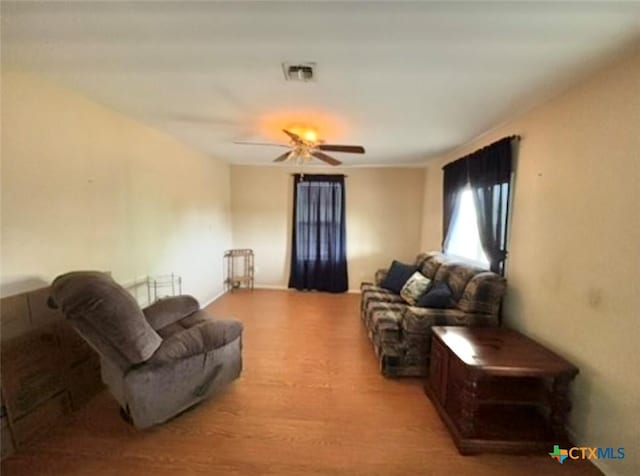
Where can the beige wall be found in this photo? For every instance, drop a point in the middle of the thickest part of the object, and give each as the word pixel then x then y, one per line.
pixel 431 237
pixel 574 269
pixel 86 188
pixel 384 210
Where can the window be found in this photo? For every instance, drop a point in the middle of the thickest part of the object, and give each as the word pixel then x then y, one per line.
pixel 318 251
pixel 318 211
pixel 475 205
pixel 463 239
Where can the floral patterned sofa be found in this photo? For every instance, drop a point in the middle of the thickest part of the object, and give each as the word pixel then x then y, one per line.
pixel 401 334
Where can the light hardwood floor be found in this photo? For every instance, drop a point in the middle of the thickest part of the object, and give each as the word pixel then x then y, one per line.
pixel 310 401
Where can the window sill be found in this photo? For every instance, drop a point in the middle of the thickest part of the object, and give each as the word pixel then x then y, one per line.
pixel 469 261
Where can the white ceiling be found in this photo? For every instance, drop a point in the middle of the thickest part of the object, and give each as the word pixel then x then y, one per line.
pixel 406 80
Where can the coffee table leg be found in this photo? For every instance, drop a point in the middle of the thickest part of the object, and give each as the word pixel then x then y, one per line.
pixel 469 405
pixel 560 406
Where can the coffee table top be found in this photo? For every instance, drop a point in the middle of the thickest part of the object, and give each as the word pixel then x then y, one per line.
pixel 502 352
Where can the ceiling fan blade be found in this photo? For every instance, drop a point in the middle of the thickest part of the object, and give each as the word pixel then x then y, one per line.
pixel 294 137
pixel 200 119
pixel 283 157
pixel 325 158
pixel 273 144
pixel 350 149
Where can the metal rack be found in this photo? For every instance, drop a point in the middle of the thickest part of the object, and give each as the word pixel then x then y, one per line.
pixel 162 286
pixel 239 268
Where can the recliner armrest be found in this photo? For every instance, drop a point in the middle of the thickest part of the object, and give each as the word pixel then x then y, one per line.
pixel 199 339
pixel 169 310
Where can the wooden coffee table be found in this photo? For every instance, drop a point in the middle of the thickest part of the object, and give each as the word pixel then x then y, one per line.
pixel 498 391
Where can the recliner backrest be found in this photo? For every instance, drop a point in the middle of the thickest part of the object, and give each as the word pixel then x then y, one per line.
pixel 106 316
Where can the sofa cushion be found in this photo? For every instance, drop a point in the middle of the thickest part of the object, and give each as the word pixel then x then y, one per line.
pixel 415 287
pixel 398 274
pixel 457 275
pixel 373 306
pixel 374 293
pixel 437 297
pixel 420 320
pixel 372 288
pixel 385 320
pixel 384 295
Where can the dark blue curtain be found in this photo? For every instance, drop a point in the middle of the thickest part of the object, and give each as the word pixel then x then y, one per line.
pixel 487 172
pixel 318 251
pixel 455 179
pixel 490 181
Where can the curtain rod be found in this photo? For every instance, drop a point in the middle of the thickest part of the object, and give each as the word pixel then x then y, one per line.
pixel 513 137
pixel 330 175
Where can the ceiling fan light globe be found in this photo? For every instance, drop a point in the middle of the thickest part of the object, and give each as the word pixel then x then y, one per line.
pixel 310 135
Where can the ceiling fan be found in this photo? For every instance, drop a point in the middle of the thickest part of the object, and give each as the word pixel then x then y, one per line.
pixel 307 148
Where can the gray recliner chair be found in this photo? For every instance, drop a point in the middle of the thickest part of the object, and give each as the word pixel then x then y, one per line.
pixel 159 361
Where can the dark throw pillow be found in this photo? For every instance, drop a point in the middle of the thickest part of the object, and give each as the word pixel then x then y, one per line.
pixel 437 297
pixel 397 275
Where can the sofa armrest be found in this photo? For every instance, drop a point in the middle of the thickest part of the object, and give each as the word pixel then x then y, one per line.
pixel 419 320
pixel 380 275
pixel 169 310
pixel 199 339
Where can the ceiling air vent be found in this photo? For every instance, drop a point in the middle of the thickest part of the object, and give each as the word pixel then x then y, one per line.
pixel 299 71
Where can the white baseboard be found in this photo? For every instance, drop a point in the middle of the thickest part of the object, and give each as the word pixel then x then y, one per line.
pixel 286 288
pixel 214 298
pixel 271 286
